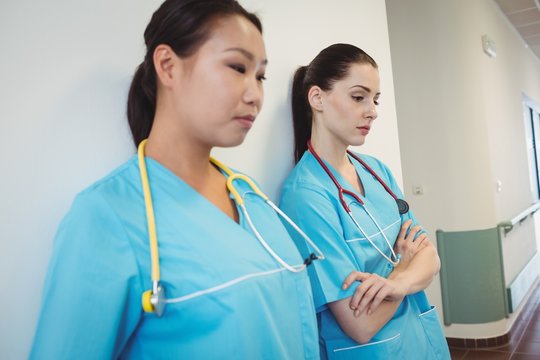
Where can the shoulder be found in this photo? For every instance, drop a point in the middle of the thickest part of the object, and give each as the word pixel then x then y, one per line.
pixel 111 192
pixel 308 186
pixel 372 161
pixel 377 165
pixel 307 175
pixel 125 173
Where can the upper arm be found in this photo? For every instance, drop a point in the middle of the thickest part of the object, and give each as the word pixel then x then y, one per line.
pixel 316 214
pixel 91 298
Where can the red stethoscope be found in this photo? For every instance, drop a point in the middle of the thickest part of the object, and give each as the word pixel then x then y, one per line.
pixel 402 205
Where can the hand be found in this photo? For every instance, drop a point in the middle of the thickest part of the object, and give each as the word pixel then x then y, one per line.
pixel 407 246
pixel 372 291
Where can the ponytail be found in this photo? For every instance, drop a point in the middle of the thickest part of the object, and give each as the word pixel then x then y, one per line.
pixel 141 104
pixel 301 113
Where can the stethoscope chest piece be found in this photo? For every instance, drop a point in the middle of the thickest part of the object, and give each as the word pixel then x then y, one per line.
pixel 154 301
pixel 403 206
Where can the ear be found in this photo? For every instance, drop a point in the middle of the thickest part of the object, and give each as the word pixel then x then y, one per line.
pixel 315 98
pixel 165 62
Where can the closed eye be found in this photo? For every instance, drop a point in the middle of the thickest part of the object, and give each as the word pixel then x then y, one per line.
pixel 261 78
pixel 238 68
pixel 358 98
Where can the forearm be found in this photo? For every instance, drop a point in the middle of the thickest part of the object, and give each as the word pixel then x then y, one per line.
pixel 366 325
pixel 419 273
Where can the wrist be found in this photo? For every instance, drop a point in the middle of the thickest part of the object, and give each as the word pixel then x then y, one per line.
pixel 399 276
pixel 399 269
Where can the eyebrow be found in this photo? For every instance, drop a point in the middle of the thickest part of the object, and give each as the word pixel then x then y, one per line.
pixel 247 54
pixel 365 88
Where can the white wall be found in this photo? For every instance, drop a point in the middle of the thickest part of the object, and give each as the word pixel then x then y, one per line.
pixel 295 31
pixel 66 68
pixel 461 125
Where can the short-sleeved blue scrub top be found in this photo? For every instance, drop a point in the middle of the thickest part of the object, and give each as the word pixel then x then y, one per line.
pixel 311 199
pixel 229 299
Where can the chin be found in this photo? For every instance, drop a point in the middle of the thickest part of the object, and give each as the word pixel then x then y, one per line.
pixel 357 142
pixel 231 142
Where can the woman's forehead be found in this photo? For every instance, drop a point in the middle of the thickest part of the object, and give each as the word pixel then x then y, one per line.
pixel 236 32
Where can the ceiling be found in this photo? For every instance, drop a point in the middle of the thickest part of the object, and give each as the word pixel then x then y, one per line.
pixel 525 16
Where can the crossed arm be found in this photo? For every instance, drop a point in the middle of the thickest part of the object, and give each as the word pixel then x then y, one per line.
pixel 376 299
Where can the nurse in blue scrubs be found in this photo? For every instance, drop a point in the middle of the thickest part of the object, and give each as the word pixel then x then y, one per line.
pixel 385 315
pixel 226 296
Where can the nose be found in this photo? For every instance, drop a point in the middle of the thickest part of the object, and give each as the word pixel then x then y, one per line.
pixel 371 112
pixel 254 94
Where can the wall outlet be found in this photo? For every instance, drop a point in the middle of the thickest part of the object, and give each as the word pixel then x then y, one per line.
pixel 418 190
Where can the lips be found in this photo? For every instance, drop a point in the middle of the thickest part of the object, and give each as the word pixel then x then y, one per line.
pixel 246 121
pixel 364 130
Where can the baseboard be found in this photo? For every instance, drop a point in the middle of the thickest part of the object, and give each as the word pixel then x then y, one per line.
pixel 519 287
pixel 515 331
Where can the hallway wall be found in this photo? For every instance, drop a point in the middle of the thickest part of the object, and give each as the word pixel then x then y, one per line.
pixel 461 125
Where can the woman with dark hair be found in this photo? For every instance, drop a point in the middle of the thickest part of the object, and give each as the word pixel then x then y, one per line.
pixel 352 208
pixel 223 281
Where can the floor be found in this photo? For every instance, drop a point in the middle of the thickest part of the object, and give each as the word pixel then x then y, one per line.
pixel 524 341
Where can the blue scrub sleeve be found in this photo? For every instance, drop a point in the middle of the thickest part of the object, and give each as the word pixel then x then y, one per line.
pixel 91 301
pixel 318 217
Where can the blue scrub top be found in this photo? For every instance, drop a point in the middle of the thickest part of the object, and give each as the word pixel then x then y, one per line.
pixel 311 199
pixel 228 297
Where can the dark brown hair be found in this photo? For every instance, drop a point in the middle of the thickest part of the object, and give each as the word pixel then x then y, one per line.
pixel 330 65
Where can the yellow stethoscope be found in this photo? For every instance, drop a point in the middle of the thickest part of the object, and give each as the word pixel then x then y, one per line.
pixel 154 301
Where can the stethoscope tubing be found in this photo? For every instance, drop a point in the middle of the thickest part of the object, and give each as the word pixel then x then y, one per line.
pixel 342 191
pixel 150 217
pixel 154 300
pixel 255 189
pixel 393 254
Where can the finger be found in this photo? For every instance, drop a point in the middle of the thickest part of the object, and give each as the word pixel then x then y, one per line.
pixel 379 298
pixel 359 293
pixel 427 242
pixel 412 233
pixel 420 240
pixel 421 231
pixel 353 277
pixel 369 296
pixel 404 227
pixel 355 299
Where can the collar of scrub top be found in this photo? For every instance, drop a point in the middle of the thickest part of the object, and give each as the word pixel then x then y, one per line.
pixel 154 300
pixel 403 207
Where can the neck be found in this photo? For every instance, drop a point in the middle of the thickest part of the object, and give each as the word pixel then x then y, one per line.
pixel 332 151
pixel 180 154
